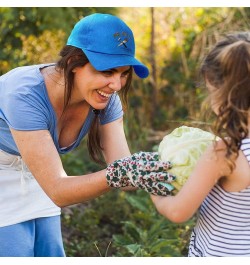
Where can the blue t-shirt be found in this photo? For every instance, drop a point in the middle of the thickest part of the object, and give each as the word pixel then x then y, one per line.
pixel 25 106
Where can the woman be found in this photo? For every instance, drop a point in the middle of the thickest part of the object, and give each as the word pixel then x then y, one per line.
pixel 46 110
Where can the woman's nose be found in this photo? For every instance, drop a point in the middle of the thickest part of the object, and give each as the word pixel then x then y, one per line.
pixel 115 83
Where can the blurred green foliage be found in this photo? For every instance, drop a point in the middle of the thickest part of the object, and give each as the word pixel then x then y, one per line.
pixel 122 224
pixel 19 24
pixel 126 223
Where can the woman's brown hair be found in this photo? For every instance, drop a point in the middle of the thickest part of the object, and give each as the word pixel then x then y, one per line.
pixel 72 57
pixel 227 69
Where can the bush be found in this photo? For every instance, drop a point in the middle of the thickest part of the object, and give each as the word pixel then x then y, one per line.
pixel 122 224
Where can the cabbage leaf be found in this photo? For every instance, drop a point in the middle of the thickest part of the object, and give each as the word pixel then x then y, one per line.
pixel 183 147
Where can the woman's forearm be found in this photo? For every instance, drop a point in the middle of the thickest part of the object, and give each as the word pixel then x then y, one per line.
pixel 70 190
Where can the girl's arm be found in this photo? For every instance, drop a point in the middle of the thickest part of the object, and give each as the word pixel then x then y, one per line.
pixel 209 169
pixel 40 155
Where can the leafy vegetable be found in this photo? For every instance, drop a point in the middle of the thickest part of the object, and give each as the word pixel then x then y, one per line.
pixel 183 147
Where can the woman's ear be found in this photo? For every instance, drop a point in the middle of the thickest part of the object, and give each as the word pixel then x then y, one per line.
pixel 74 58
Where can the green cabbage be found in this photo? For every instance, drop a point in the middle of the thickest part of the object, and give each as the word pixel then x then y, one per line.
pixel 183 147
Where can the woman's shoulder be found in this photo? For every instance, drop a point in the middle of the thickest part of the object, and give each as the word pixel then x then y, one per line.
pixel 23 76
pixel 22 81
pixel 23 86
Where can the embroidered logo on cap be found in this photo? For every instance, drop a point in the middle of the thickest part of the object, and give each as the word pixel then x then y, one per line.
pixel 122 38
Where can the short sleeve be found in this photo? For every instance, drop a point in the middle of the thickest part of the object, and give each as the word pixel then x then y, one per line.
pixel 25 111
pixel 113 111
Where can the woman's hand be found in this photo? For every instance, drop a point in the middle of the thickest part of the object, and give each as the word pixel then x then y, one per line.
pixel 142 170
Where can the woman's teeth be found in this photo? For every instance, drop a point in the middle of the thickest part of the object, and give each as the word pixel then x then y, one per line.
pixel 104 94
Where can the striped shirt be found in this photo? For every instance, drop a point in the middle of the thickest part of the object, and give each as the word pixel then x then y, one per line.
pixel 223 225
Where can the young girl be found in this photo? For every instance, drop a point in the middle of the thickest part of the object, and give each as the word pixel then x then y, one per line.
pixel 220 182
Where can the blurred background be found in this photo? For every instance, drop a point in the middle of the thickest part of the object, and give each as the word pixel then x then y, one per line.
pixel 171 41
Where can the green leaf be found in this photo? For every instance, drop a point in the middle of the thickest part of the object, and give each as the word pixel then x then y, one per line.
pixel 121 240
pixel 138 203
pixel 133 248
pixel 158 245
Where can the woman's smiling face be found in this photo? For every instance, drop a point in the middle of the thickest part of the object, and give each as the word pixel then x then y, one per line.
pixel 96 87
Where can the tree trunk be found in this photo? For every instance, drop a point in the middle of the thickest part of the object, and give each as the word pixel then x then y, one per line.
pixel 153 74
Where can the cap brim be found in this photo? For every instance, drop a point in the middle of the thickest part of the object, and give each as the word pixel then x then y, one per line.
pixel 103 61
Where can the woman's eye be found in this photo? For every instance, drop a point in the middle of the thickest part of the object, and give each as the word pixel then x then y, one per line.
pixel 125 74
pixel 108 73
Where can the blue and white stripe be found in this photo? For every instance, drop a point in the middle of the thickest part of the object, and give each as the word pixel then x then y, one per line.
pixel 223 225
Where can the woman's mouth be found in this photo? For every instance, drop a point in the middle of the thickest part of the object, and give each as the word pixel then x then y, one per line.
pixel 104 94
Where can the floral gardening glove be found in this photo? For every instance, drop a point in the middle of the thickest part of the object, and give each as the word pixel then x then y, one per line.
pixel 142 170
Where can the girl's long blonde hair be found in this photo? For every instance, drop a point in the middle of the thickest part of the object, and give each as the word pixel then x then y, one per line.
pixel 227 68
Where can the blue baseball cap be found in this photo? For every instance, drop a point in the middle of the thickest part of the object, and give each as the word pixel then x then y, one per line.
pixel 107 42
